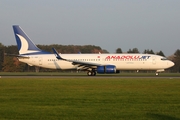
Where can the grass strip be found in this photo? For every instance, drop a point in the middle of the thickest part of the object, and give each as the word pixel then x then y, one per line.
pixel 90 98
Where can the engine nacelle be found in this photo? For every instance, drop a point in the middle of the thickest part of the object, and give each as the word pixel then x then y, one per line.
pixel 107 69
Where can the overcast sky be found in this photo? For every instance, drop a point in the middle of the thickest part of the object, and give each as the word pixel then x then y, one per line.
pixel 110 24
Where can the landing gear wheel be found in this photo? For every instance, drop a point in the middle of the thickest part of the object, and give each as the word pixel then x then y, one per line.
pixel 157 74
pixel 91 73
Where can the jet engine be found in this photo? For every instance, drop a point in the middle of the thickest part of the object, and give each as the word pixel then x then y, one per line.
pixel 107 69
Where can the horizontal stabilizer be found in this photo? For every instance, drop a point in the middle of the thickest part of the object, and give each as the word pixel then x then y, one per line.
pixel 15 55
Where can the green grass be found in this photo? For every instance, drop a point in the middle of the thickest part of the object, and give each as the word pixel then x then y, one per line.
pixel 90 98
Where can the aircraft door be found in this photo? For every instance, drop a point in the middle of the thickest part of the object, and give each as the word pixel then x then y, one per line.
pixel 154 60
pixel 40 60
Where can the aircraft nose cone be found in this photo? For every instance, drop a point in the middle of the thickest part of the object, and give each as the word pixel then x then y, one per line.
pixel 170 64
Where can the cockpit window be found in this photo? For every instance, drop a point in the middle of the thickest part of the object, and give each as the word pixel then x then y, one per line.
pixel 164 58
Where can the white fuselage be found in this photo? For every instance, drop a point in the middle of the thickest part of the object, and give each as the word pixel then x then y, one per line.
pixel 121 61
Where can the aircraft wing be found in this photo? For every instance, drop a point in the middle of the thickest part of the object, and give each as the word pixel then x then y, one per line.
pixel 81 64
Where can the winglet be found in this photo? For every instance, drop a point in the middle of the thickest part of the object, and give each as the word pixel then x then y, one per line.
pixel 57 55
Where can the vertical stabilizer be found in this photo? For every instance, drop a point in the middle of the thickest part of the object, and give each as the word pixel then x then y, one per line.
pixel 25 45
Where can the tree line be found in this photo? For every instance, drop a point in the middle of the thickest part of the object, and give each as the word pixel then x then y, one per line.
pixel 9 62
pixel 146 51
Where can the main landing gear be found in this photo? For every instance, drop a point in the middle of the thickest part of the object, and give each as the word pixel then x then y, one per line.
pixel 91 73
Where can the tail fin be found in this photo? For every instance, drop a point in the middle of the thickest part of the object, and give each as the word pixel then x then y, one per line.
pixel 25 45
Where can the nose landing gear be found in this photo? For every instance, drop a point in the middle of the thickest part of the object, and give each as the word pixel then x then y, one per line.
pixel 157 73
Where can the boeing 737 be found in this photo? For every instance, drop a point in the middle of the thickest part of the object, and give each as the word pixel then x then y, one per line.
pixel 92 63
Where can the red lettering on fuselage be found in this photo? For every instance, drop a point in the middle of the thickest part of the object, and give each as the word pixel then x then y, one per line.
pixel 125 57
pixel 108 57
pixel 113 57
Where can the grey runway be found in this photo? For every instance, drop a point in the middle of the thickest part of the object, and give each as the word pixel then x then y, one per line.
pixel 170 77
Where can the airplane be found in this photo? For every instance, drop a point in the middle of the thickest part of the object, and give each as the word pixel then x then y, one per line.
pixel 92 63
